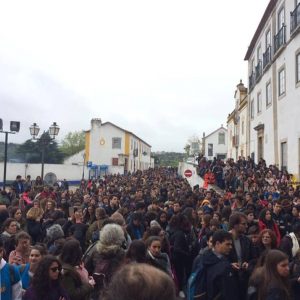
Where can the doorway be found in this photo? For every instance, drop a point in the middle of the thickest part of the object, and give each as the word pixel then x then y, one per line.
pixel 284 156
pixel 125 165
pixel 260 147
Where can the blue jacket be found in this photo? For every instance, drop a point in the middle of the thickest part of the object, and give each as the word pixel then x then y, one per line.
pixel 10 282
pixel 25 277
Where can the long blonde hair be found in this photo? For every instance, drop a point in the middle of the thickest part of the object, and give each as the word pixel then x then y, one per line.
pixel 34 213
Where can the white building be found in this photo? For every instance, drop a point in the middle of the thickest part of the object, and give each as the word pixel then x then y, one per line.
pixel 274 86
pixel 215 144
pixel 109 148
pixel 237 123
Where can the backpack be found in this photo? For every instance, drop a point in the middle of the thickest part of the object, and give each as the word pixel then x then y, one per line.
pixel 101 274
pixel 196 285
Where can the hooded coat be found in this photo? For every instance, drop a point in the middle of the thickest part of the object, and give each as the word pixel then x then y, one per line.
pixel 220 279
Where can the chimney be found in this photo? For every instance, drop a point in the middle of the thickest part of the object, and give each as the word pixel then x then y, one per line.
pixel 96 122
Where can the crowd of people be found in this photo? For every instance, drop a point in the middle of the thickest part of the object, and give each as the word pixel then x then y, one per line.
pixel 244 173
pixel 150 235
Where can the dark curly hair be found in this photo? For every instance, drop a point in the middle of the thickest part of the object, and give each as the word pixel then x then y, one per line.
pixel 71 253
pixel 41 281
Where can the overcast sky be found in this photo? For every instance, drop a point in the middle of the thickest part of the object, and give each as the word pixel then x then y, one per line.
pixel 165 70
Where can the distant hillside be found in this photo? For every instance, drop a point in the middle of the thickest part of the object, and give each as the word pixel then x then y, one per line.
pixel 166 159
pixel 11 151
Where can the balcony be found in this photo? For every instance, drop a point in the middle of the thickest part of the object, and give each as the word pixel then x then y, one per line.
pixel 267 57
pixel 252 80
pixel 295 19
pixel 258 71
pixel 279 39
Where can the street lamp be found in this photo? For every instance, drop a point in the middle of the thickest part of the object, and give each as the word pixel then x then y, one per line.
pixel 44 140
pixel 83 165
pixel 14 128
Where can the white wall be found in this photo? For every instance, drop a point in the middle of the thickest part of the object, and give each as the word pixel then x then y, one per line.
pixel 217 148
pixel 142 162
pixel 243 136
pixel 103 154
pixel 230 133
pixel 288 109
pixel 75 159
pixel 69 172
pixel 116 170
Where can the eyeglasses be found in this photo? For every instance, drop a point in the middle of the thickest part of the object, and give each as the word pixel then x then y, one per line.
pixel 55 269
pixel 243 224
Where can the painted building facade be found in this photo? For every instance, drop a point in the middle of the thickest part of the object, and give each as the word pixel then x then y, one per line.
pixel 274 86
pixel 110 147
pixel 237 124
pixel 215 144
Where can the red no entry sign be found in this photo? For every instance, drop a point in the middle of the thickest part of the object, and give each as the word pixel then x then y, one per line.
pixel 188 173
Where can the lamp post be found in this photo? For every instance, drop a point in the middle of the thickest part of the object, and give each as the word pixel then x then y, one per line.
pixel 14 128
pixel 83 155
pixel 44 140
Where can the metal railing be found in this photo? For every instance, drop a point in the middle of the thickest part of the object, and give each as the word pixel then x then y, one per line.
pixel 258 71
pixel 295 18
pixel 279 39
pixel 252 80
pixel 267 57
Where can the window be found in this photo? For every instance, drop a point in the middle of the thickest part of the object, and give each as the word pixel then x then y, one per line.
pixel 298 67
pixel 280 19
pixel 116 143
pixel 210 149
pixel 252 65
pixel 281 82
pixel 284 156
pixel 259 55
pixel 252 109
pixel 131 144
pixel 268 94
pixel 115 161
pixel 259 104
pixel 268 39
pixel 243 125
pixel 222 138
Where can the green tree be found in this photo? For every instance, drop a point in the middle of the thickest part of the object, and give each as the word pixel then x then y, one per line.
pixel 31 152
pixel 166 159
pixel 187 149
pixel 73 143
